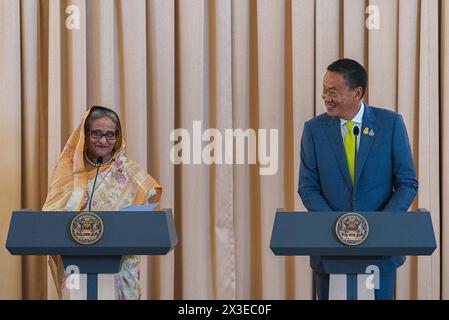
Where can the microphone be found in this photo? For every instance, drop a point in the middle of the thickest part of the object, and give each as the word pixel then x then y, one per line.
pixel 99 162
pixel 356 132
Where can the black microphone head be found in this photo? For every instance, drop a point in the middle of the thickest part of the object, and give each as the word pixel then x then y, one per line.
pixel 99 160
pixel 356 130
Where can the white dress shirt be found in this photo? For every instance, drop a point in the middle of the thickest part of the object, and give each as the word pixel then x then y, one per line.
pixel 357 122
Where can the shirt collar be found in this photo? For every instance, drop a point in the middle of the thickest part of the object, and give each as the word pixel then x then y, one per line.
pixel 358 117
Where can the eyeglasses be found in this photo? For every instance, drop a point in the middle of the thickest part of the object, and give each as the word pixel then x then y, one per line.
pixel 98 134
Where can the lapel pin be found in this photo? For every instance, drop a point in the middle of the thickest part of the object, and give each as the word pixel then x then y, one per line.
pixel 371 133
pixel 366 131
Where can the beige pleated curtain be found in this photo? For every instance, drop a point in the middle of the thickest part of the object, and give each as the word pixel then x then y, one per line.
pixel 163 64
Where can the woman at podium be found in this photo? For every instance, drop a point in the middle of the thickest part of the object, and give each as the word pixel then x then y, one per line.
pixel 97 143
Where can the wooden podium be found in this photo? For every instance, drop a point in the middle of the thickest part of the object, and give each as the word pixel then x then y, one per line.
pixel 390 234
pixel 125 233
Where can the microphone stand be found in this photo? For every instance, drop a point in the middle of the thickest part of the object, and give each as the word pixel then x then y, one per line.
pixel 356 132
pixel 99 162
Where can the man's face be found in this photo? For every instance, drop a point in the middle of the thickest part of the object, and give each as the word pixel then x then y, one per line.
pixel 340 100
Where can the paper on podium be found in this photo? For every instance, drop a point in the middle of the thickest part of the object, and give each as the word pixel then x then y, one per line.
pixel 149 207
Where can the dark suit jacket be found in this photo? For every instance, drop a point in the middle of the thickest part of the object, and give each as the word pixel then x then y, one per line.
pixel 385 178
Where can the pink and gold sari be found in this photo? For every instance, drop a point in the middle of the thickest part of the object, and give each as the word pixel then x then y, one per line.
pixel 121 183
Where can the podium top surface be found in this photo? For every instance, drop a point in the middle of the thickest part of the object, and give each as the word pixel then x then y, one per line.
pixel 125 233
pixel 390 234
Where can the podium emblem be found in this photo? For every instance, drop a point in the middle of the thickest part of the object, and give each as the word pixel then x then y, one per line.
pixel 86 228
pixel 352 229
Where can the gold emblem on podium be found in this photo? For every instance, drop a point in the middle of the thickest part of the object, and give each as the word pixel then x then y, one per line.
pixel 86 228
pixel 352 229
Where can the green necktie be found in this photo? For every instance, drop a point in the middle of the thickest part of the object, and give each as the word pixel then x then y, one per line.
pixel 350 148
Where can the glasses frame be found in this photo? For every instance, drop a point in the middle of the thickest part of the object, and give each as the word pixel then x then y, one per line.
pixel 102 135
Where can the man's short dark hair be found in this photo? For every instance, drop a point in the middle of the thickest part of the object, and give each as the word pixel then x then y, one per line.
pixel 353 73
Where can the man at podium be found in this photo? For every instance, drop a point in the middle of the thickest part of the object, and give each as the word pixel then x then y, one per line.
pixel 97 143
pixel 355 157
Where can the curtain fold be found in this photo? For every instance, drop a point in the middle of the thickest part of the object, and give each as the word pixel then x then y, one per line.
pixel 11 136
pixel 303 99
pixel 161 121
pixel 444 142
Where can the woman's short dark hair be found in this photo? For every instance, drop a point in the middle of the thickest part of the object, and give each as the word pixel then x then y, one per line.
pixel 353 73
pixel 98 112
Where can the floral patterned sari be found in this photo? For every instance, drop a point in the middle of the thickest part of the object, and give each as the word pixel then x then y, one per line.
pixel 121 183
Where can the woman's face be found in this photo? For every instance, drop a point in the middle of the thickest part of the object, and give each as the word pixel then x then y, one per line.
pixel 101 138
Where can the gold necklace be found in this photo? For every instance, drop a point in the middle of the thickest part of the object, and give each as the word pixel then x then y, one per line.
pixel 96 165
